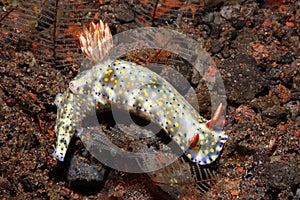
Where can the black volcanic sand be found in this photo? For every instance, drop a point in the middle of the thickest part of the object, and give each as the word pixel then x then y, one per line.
pixel 256 47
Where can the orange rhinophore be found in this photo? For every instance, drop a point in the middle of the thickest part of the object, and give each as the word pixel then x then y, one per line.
pixel 194 141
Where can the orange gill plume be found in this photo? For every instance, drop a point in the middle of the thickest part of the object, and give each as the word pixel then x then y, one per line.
pixel 96 42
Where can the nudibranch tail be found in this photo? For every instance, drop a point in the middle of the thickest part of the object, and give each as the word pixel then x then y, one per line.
pixel 62 146
pixel 208 148
pixel 65 123
pixel 71 110
pixel 97 42
pixel 205 148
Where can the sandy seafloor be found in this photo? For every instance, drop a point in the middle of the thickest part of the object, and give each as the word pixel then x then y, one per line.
pixel 256 47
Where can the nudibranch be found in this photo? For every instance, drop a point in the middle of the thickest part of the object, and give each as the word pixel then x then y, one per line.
pixel 137 89
pixel 71 110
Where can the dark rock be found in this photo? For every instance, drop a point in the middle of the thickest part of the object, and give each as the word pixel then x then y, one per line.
pixel 230 11
pixel 293 108
pixel 238 23
pixel 216 46
pixel 264 102
pixel 209 17
pixel 234 34
pixel 81 171
pixel 287 58
pixel 215 30
pixel 123 13
pixel 226 53
pixel 207 29
pixel 289 74
pixel 249 9
pixel 244 79
pixel 278 29
pixel 242 39
pixel 274 115
pixel 281 175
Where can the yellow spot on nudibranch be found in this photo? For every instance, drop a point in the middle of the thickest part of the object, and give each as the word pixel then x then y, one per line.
pixel 109 72
pixel 214 157
pixel 223 141
pixel 145 93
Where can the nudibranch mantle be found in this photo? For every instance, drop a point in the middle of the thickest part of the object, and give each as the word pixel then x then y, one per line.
pixel 137 89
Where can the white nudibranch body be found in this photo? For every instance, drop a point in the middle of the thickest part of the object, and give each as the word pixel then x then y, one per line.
pixel 138 89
